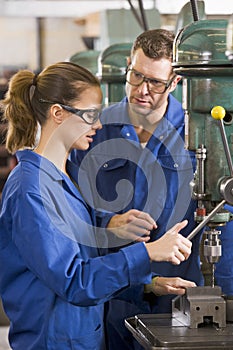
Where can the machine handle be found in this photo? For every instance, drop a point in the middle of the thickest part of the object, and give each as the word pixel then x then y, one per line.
pixel 206 220
pixel 219 113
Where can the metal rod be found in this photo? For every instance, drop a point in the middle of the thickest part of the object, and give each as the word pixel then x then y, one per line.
pixel 213 276
pixel 201 157
pixel 207 219
pixel 139 20
pixel 194 10
pixel 143 16
pixel 226 147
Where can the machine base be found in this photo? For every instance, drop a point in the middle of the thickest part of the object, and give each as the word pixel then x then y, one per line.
pixel 164 332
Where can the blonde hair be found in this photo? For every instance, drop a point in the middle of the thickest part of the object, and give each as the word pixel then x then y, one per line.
pixel 61 82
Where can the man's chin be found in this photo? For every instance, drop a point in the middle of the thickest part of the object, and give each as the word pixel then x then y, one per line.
pixel 140 110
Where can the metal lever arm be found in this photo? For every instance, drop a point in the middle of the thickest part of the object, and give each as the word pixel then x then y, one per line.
pixel 219 113
pixel 206 220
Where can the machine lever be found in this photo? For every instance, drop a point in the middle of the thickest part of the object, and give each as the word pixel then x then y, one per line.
pixel 219 113
pixel 206 220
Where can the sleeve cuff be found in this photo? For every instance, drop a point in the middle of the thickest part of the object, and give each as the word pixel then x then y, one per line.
pixel 139 263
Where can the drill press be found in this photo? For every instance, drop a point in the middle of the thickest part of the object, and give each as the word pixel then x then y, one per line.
pixel 202 57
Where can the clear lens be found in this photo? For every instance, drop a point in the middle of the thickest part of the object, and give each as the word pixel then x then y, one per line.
pixel 157 86
pixel 134 78
pixel 91 116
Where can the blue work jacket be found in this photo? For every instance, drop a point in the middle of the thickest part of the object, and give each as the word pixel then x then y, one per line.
pixel 53 281
pixel 155 179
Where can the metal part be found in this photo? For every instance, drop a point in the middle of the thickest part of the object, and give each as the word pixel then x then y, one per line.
pixel 212 246
pixel 87 59
pixel 212 249
pixel 226 189
pixel 200 183
pixel 185 16
pixel 229 307
pixel 144 19
pixel 226 147
pixel 194 10
pixel 163 332
pixel 199 318
pixel 229 50
pixel 139 20
pixel 112 63
pixel 213 275
pixel 199 56
pixel 200 306
pixel 206 220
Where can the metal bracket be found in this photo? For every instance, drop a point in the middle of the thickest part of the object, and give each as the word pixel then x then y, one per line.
pixel 199 306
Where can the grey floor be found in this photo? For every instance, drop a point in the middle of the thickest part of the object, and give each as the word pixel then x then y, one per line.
pixel 4 345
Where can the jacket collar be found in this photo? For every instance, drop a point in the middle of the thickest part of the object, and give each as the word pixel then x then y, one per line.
pixel 51 170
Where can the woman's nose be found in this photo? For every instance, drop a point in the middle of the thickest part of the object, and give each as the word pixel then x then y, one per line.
pixel 97 125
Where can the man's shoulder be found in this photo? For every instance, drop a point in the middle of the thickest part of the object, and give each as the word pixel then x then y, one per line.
pixel 115 113
pixel 175 103
pixel 175 111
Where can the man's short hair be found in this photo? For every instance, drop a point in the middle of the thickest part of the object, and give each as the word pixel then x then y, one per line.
pixel 155 43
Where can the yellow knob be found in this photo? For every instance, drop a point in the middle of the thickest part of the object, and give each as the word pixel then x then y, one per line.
pixel 218 112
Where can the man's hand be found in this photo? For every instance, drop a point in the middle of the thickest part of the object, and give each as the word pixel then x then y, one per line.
pixel 134 225
pixel 168 285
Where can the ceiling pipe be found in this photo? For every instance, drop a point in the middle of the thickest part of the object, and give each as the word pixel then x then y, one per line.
pixel 139 20
pixel 143 15
pixel 194 10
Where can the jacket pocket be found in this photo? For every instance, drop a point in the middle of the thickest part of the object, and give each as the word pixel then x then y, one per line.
pixel 178 172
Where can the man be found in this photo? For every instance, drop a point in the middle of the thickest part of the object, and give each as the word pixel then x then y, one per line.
pixel 138 160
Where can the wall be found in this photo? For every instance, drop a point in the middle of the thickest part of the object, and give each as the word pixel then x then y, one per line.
pixel 19 41
pixel 59 38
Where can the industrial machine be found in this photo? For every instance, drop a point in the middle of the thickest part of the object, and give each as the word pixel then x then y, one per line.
pixel 112 63
pixel 87 59
pixel 203 56
pixel 109 65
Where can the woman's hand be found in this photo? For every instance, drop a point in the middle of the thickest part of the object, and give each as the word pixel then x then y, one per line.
pixel 171 247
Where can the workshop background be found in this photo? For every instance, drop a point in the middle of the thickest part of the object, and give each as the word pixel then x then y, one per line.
pixel 36 33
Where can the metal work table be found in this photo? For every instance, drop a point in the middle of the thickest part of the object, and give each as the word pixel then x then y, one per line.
pixel 163 332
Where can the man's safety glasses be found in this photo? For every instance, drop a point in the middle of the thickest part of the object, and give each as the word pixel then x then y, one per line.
pixel 157 86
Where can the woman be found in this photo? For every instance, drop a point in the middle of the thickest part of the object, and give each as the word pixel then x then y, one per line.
pixel 53 282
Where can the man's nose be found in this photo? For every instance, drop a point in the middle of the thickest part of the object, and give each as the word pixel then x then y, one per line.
pixel 144 88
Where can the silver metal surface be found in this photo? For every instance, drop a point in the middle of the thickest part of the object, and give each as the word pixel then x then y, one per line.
pixel 198 321
pixel 229 308
pixel 206 219
pixel 163 332
pixel 226 189
pixel 200 306
pixel 212 246
pixel 226 147
pixel 199 318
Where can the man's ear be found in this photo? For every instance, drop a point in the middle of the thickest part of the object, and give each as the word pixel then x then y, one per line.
pixel 57 113
pixel 128 61
pixel 175 82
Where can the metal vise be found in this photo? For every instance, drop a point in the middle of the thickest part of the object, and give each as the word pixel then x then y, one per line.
pixel 200 306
